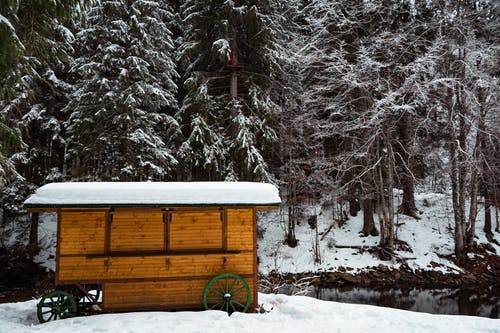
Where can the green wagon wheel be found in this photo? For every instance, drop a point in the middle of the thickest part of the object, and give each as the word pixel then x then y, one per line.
pixel 56 305
pixel 227 292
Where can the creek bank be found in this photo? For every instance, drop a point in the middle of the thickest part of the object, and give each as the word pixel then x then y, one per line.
pixel 483 270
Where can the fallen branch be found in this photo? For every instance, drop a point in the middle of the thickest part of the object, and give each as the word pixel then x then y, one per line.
pixel 327 230
pixel 355 247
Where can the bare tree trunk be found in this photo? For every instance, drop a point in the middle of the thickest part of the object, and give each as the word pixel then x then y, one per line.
pixel 291 240
pixel 385 192
pixel 33 241
pixel 487 216
pixel 390 189
pixel 458 173
pixel 369 228
pixel 471 225
pixel 354 206
pixel 408 206
pixel 479 145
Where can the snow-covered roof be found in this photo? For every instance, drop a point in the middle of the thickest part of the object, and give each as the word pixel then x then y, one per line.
pixel 153 194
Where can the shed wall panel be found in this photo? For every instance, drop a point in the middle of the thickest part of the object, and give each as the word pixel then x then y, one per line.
pixel 82 232
pixel 195 230
pixel 181 293
pixel 240 229
pixel 81 268
pixel 137 230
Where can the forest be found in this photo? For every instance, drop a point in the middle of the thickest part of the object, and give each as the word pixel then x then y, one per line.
pixel 347 100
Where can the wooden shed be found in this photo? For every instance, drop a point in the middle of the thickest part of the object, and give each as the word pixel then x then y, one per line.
pixel 125 246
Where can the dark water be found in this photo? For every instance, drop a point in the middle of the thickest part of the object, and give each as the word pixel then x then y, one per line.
pixel 482 303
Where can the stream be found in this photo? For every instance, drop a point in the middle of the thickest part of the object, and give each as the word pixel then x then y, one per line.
pixel 483 303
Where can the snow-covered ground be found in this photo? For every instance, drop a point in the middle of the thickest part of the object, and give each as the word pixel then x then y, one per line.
pixel 288 314
pixel 429 238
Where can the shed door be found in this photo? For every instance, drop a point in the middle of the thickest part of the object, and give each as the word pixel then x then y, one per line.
pixel 196 230
pixel 136 230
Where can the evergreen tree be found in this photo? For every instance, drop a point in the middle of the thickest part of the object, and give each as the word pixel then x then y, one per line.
pixel 32 39
pixel 227 63
pixel 120 123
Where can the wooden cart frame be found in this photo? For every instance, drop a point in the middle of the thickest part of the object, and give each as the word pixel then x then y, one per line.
pixel 138 255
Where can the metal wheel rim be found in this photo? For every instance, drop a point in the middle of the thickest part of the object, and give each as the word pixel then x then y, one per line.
pixel 227 292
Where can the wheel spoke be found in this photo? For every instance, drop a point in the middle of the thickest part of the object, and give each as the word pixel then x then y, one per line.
pixel 236 302
pixel 213 298
pixel 232 306
pixel 239 289
pixel 217 292
pixel 216 304
pixel 232 285
pixel 239 296
pixel 220 286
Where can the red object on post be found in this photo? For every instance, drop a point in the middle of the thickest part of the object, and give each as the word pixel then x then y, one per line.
pixel 231 58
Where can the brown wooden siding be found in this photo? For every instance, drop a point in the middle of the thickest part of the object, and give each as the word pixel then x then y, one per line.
pixel 149 258
pixel 137 230
pixel 240 226
pixel 81 232
pixel 80 268
pixel 195 230
pixel 157 294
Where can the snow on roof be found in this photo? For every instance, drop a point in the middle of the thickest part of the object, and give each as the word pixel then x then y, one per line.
pixel 154 194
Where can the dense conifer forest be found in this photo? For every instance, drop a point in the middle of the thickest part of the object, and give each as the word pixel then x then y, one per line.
pixel 343 99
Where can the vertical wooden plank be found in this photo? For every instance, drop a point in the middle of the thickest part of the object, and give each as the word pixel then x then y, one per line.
pixel 107 231
pixel 224 229
pixel 165 234
pixel 167 228
pixel 103 296
pixel 255 267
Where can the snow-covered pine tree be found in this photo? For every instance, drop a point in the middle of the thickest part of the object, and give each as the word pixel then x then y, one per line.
pixel 32 40
pixel 120 123
pixel 223 40
pixel 34 44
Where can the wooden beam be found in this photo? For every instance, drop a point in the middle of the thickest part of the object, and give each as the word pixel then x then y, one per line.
pixel 266 207
pixel 43 210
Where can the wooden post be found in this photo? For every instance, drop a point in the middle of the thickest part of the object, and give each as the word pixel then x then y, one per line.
pixel 33 241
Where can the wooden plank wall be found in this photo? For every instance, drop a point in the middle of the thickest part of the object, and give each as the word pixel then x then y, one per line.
pixel 198 230
pixel 81 268
pixel 82 232
pixel 152 264
pixel 135 230
pixel 240 226
pixel 175 294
